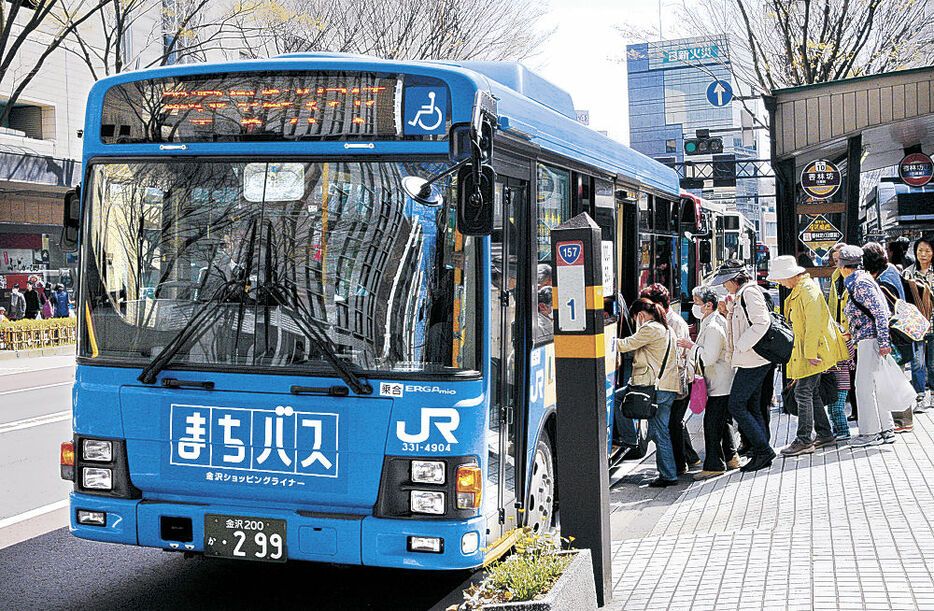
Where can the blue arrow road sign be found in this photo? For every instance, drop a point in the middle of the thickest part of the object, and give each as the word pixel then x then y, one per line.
pixel 719 93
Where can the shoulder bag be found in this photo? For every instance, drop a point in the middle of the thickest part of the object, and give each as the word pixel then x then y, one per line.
pixel 907 321
pixel 640 402
pixel 906 325
pixel 778 342
pixel 698 388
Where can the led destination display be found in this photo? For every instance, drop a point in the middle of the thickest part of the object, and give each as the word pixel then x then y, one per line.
pixel 258 106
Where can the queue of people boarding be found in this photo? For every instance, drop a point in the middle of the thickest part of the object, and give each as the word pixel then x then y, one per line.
pixel 868 345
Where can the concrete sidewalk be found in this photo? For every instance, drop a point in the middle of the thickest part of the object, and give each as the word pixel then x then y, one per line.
pixel 843 528
pixel 25 369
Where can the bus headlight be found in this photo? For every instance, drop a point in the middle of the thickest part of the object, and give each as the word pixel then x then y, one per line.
pixel 96 450
pixel 93 478
pixel 426 501
pixel 427 472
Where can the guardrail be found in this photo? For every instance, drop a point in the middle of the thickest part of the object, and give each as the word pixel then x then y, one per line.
pixel 35 334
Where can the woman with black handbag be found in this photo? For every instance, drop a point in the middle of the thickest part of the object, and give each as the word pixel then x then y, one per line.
pixel 748 321
pixel 655 382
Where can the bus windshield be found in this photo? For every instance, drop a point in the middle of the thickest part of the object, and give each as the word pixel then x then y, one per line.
pixel 731 244
pixel 258 251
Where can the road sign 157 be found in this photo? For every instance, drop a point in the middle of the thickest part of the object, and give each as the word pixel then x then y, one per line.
pixel 571 286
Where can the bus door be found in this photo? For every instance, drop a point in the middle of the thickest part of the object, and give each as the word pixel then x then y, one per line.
pixel 507 339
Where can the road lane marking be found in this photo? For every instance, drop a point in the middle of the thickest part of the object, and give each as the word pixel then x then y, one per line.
pixel 27 423
pixel 33 523
pixel 32 513
pixel 31 388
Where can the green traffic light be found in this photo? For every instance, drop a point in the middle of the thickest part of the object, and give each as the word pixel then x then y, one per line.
pixel 690 147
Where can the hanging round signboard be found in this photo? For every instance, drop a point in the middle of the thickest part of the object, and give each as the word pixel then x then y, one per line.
pixel 820 179
pixel 916 169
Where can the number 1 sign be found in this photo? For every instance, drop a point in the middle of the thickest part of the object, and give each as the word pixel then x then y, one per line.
pixel 572 299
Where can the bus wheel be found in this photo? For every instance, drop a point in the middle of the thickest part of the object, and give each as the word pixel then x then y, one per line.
pixel 642 436
pixel 540 508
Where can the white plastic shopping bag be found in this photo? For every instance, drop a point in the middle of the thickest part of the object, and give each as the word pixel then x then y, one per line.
pixel 892 386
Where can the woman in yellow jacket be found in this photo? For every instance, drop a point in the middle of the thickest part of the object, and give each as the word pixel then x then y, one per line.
pixel 818 346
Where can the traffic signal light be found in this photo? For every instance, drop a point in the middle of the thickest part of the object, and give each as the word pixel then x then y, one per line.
pixel 724 170
pixel 703 146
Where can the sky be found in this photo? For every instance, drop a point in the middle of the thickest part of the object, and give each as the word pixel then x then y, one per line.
pixel 584 54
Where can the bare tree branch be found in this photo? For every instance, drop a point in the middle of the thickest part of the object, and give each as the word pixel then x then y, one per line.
pixel 397 29
pixel 786 43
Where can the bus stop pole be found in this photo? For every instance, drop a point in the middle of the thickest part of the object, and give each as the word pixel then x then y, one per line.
pixel 580 370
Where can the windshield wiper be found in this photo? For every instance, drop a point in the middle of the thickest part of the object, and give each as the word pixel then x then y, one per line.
pixel 310 326
pixel 195 326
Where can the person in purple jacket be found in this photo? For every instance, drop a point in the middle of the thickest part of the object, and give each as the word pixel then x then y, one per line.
pixel 869 314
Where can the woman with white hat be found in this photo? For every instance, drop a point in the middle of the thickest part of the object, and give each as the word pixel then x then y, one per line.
pixel 818 346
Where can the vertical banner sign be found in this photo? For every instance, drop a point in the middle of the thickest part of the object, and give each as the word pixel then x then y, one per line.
pixel 821 179
pixel 572 294
pixel 916 169
pixel 608 278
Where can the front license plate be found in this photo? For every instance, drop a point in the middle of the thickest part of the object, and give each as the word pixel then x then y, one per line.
pixel 244 538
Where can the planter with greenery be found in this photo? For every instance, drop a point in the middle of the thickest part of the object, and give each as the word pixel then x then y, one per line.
pixel 537 576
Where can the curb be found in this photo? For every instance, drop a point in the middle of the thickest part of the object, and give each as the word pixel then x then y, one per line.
pixel 33 523
pixel 6 355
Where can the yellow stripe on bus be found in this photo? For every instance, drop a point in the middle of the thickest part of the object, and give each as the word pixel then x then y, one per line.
pixel 91 337
pixel 500 547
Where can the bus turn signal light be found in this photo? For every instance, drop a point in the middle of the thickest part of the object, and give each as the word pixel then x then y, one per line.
pixel 67 460
pixel 469 486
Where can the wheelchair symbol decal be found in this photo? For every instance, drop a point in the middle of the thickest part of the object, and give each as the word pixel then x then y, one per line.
pixel 425 118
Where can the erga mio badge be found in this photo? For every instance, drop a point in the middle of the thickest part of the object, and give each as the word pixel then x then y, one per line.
pixel 820 179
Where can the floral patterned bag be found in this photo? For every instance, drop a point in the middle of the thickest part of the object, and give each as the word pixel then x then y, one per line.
pixel 909 322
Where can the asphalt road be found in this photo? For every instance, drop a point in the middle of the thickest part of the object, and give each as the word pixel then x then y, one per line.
pixel 33 423
pixel 58 571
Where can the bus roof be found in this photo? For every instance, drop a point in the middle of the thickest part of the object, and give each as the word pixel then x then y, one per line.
pixel 529 107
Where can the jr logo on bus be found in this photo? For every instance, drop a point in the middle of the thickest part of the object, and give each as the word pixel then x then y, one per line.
pixel 445 419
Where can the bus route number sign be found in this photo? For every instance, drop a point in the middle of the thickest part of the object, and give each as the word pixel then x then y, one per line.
pixel 916 170
pixel 821 179
pixel 572 288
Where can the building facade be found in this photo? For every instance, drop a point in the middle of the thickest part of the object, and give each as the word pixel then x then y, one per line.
pixel 41 142
pixel 673 93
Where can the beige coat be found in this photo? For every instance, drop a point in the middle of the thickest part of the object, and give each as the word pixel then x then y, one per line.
pixel 648 345
pixel 711 349
pixel 740 335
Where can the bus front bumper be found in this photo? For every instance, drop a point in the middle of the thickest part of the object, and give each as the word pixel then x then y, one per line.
pixel 318 537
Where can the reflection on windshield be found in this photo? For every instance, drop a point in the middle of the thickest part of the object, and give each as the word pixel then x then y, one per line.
pixel 269 248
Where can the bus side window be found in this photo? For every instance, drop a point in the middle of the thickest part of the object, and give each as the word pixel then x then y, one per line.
pixel 553 207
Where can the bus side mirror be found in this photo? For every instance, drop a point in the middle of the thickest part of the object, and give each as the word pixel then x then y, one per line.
pixel 704 253
pixel 475 202
pixel 71 222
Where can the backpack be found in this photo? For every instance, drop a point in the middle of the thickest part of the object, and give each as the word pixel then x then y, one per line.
pixel 918 294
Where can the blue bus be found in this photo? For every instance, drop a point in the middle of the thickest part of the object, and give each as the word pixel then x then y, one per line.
pixel 314 304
